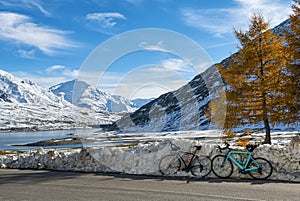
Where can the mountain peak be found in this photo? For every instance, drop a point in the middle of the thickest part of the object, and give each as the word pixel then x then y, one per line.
pixel 90 97
pixel 13 89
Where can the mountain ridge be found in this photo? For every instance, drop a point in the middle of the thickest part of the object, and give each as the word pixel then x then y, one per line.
pixel 90 97
pixel 27 106
pixel 177 115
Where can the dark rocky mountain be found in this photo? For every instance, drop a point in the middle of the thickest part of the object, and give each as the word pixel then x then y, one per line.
pixel 182 109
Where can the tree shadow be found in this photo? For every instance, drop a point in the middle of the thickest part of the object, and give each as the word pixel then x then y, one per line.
pixel 191 179
pixel 22 176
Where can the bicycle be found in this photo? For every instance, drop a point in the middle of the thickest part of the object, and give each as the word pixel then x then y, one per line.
pixel 198 165
pixel 257 168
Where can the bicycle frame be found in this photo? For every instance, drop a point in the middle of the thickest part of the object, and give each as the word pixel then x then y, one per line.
pixel 187 166
pixel 245 163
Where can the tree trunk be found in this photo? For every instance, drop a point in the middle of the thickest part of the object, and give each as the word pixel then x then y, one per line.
pixel 268 132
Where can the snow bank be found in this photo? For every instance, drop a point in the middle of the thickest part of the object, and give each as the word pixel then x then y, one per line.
pixel 144 159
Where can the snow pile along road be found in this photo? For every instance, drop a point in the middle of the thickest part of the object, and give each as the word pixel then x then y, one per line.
pixel 144 159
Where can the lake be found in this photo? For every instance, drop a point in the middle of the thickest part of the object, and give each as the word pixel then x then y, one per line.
pixel 89 137
pixel 12 138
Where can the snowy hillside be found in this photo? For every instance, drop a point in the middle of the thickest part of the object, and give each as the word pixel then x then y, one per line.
pixel 279 30
pixel 27 116
pixel 90 97
pixel 16 90
pixel 182 109
pixel 25 105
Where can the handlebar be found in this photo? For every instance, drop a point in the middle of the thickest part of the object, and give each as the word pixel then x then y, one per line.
pixel 224 148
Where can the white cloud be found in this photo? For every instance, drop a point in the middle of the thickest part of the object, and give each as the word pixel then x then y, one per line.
pixel 61 70
pixel 106 20
pixel 19 28
pixel 29 4
pixel 30 54
pixel 222 21
pixel 41 79
pixel 54 68
pixel 153 47
pixel 71 73
pixel 177 65
pixel 50 76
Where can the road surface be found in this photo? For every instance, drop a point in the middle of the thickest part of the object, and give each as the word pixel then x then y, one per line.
pixel 49 186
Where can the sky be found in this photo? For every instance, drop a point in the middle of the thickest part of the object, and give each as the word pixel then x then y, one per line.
pixel 50 42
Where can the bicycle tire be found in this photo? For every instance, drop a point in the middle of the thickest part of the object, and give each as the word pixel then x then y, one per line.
pixel 265 170
pixel 201 166
pixel 169 165
pixel 219 170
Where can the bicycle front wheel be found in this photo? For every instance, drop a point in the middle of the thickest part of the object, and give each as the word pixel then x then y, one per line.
pixel 169 165
pixel 201 166
pixel 264 170
pixel 221 169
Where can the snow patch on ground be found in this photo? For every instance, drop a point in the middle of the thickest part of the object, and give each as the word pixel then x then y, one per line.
pixel 25 116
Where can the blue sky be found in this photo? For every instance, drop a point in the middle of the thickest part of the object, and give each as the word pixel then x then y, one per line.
pixel 48 41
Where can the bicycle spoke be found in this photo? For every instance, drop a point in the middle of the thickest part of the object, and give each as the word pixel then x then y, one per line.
pixel 201 166
pixel 169 165
pixel 264 170
pixel 222 170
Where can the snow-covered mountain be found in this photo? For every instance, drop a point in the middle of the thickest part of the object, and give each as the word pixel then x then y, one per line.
pixel 177 110
pixel 182 109
pixel 25 105
pixel 16 90
pixel 90 97
pixel 282 27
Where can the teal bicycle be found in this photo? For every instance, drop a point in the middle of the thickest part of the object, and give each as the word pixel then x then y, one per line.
pixel 258 168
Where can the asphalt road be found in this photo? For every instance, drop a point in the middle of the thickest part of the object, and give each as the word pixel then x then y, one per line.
pixel 35 185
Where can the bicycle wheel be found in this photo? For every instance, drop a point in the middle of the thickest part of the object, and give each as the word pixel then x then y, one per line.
pixel 201 166
pixel 222 171
pixel 169 165
pixel 264 171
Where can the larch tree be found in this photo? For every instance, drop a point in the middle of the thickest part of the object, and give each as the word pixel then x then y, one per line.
pixel 256 79
pixel 293 41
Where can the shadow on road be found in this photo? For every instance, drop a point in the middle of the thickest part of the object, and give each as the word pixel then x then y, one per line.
pixel 37 176
pixel 8 176
pixel 191 179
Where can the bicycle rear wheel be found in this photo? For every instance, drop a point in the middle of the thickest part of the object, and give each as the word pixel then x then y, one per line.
pixel 201 166
pixel 264 166
pixel 169 165
pixel 222 170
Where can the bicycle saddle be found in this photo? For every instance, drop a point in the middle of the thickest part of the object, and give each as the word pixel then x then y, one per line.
pixel 250 147
pixel 198 147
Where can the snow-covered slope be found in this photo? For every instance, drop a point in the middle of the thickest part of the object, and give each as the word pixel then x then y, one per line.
pixel 16 90
pixel 90 97
pixel 282 27
pixel 182 109
pixel 25 105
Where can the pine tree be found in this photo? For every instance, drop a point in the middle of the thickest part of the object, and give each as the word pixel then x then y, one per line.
pixel 257 79
pixel 293 40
